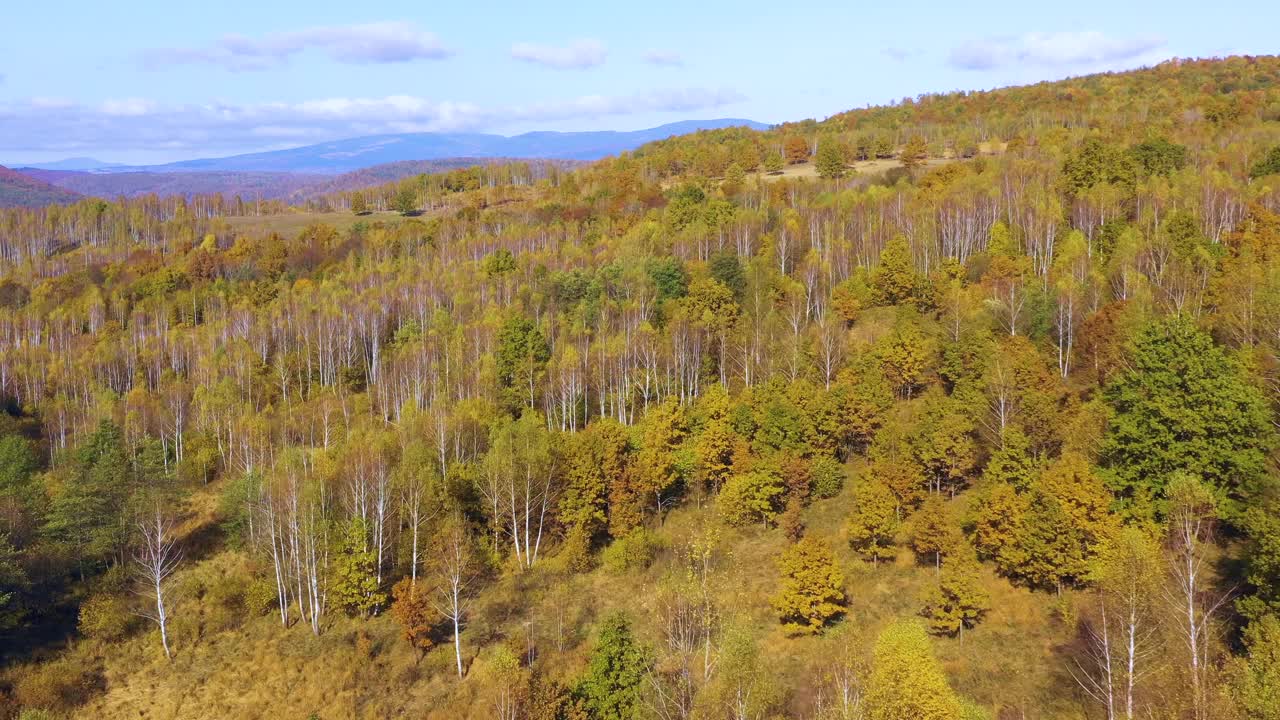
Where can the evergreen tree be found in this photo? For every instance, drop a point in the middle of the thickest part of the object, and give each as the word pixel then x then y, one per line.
pixel 87 510
pixel 1269 164
pixel 1011 463
pixel 597 462
pixel 812 592
pixel 944 444
pixel 521 361
pixel 613 685
pixel 830 161
pixel 1183 405
pixel 19 493
pixel 895 280
pixel 1256 685
pixel 13 581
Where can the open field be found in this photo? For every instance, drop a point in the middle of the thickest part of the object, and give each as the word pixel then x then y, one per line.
pixel 291 223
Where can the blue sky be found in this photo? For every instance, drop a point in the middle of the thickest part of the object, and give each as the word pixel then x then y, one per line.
pixel 146 81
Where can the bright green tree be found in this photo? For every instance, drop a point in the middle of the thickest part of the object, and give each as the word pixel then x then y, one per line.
pixel 13 579
pixel 355 578
pixel 749 497
pixel 907 682
pixel 522 361
pixel 1183 404
pixel 812 592
pixel 830 162
pixel 895 280
pixel 87 508
pixel 1256 686
pixel 612 688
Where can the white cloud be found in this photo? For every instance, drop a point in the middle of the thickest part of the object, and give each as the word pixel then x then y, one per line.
pixel 580 55
pixel 132 124
pixel 384 42
pixel 665 58
pixel 1054 49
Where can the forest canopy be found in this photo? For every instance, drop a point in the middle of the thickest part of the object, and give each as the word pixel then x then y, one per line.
pixel 987 432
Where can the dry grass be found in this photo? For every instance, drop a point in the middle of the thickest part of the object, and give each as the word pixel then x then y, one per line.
pixel 289 224
pixel 864 168
pixel 255 668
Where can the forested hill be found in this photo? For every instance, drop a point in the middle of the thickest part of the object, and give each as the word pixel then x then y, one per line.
pixel 959 408
pixel 19 190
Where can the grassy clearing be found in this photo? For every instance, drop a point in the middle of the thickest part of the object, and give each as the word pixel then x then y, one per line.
pixel 289 224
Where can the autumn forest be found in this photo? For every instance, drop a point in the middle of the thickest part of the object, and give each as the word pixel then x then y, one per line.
pixel 959 408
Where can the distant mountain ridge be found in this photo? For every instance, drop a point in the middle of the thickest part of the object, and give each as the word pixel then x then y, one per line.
pixel 22 190
pixel 79 164
pixel 342 156
pixel 250 184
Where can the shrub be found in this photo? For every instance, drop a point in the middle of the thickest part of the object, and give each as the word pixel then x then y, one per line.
pixel 260 596
pixel 826 477
pixel 105 616
pixel 413 610
pixel 58 686
pixel 750 497
pixel 633 551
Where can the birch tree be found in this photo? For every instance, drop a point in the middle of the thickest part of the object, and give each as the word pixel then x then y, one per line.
pixel 455 571
pixel 154 563
pixel 1191 517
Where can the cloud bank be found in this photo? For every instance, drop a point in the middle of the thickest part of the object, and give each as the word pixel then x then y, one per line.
pixel 56 125
pixel 1055 49
pixel 579 55
pixel 384 42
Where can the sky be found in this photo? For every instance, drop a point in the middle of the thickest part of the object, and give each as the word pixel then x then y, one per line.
pixel 146 81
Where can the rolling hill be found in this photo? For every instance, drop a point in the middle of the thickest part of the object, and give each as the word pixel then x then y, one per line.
pixel 263 185
pixel 22 190
pixel 673 436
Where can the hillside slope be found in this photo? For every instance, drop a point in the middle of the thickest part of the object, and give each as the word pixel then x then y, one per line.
pixel 683 433
pixel 25 190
